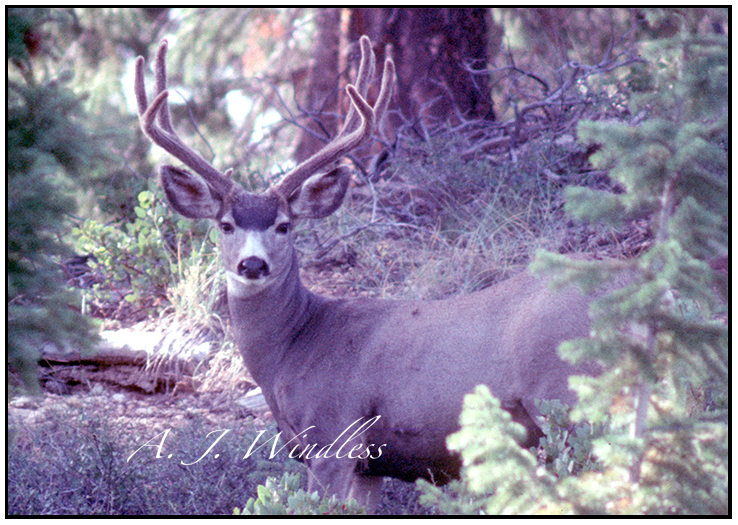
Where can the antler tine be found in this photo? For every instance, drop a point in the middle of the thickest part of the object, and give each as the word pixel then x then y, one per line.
pixel 164 135
pixel 363 78
pixel 349 138
pixel 385 91
pixel 160 71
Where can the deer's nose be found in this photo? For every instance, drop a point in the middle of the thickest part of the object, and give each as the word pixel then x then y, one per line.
pixel 253 268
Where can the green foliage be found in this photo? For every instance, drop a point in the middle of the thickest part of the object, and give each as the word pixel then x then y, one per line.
pixel 287 497
pixel 659 334
pixel 567 447
pixel 47 150
pixel 143 258
pixel 498 476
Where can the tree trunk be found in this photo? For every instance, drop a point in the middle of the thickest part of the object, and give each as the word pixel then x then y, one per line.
pixel 434 50
pixel 321 100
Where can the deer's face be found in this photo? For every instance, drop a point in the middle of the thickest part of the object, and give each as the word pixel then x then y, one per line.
pixel 255 238
pixel 255 229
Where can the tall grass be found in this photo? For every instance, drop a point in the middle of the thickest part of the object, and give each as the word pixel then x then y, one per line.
pixel 435 224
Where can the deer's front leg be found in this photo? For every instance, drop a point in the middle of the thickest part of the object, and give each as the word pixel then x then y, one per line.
pixel 338 476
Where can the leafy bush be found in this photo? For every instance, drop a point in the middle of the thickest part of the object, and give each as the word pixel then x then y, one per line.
pixel 286 496
pixel 567 448
pixel 142 259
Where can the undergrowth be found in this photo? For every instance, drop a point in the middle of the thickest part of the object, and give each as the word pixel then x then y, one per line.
pixel 435 223
pixel 74 462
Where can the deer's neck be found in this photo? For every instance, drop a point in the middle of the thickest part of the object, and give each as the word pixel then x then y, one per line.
pixel 267 323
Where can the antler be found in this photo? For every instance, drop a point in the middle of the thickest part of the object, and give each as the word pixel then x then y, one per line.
pixel 359 124
pixel 163 134
pixel 358 127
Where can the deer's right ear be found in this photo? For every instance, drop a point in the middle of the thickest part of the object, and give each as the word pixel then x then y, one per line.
pixel 189 194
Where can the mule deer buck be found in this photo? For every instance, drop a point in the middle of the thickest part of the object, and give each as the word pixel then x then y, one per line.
pixel 386 379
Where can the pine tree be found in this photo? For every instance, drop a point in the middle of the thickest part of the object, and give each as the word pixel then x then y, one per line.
pixel 47 148
pixel 661 337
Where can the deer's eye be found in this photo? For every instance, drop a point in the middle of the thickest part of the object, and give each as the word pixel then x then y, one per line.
pixel 283 228
pixel 226 227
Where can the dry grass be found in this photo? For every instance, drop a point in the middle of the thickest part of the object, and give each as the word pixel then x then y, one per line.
pixel 433 225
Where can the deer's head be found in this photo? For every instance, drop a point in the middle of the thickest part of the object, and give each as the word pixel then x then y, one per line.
pixel 256 229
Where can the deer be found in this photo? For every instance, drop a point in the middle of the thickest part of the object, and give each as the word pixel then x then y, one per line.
pixel 384 379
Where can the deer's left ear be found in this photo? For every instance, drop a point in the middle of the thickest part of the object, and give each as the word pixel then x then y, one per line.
pixel 321 194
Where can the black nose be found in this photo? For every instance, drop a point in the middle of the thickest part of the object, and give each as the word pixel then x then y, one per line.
pixel 253 268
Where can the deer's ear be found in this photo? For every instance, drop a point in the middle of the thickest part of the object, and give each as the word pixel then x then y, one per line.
pixel 321 194
pixel 189 194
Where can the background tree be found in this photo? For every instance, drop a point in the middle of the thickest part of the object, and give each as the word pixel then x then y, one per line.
pixel 48 150
pixel 437 52
pixel 441 57
pixel 320 101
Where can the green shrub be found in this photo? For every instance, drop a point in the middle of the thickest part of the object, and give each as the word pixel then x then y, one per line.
pixel 567 447
pixel 287 497
pixel 140 260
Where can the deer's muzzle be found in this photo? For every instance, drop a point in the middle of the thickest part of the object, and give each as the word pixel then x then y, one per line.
pixel 253 268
